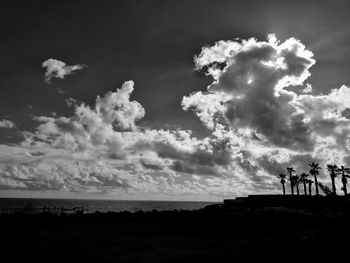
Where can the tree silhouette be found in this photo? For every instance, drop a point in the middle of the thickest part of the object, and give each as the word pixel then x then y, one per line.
pixel 325 189
pixel 283 181
pixel 314 171
pixel 295 182
pixel 345 172
pixel 303 179
pixel 309 182
pixel 291 170
pixel 333 172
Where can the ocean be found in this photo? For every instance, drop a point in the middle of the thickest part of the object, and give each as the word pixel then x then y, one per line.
pixel 91 206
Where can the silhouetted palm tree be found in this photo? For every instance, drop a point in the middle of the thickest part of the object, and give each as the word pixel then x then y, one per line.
pixel 303 179
pixel 345 172
pixel 291 171
pixel 325 189
pixel 314 171
pixel 295 182
pixel 333 172
pixel 309 182
pixel 283 181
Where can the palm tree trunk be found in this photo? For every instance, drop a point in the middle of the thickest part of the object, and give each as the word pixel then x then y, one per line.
pixel 284 189
pixel 291 184
pixel 345 189
pixel 316 184
pixel 333 186
pixel 310 191
pixel 297 186
pixel 304 187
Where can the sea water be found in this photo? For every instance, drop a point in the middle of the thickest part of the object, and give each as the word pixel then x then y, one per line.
pixel 91 206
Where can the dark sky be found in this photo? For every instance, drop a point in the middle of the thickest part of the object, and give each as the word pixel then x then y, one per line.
pixel 152 43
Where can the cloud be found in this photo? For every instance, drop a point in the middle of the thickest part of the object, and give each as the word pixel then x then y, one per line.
pixel 248 96
pixel 260 114
pixel 249 91
pixel 114 108
pixel 208 107
pixel 58 69
pixel 99 125
pixel 102 149
pixel 307 89
pixel 7 124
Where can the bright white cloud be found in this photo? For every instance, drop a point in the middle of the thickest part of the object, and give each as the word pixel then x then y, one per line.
pixel 101 149
pixel 307 89
pixel 258 127
pixel 7 124
pixel 249 90
pixel 248 97
pixel 58 69
pixel 113 108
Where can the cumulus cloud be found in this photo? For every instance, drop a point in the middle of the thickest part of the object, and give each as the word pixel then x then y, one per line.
pixel 101 148
pixel 261 115
pixel 114 108
pixel 249 91
pixel 7 124
pixel 112 114
pixel 248 96
pixel 58 69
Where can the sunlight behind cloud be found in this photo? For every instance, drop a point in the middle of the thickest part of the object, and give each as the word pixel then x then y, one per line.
pixel 257 126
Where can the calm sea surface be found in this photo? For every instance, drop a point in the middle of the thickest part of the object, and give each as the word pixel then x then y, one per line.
pixel 91 206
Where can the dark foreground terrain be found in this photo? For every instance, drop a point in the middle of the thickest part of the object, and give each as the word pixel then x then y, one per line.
pixel 214 234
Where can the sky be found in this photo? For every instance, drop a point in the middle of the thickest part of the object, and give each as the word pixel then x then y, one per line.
pixel 170 100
